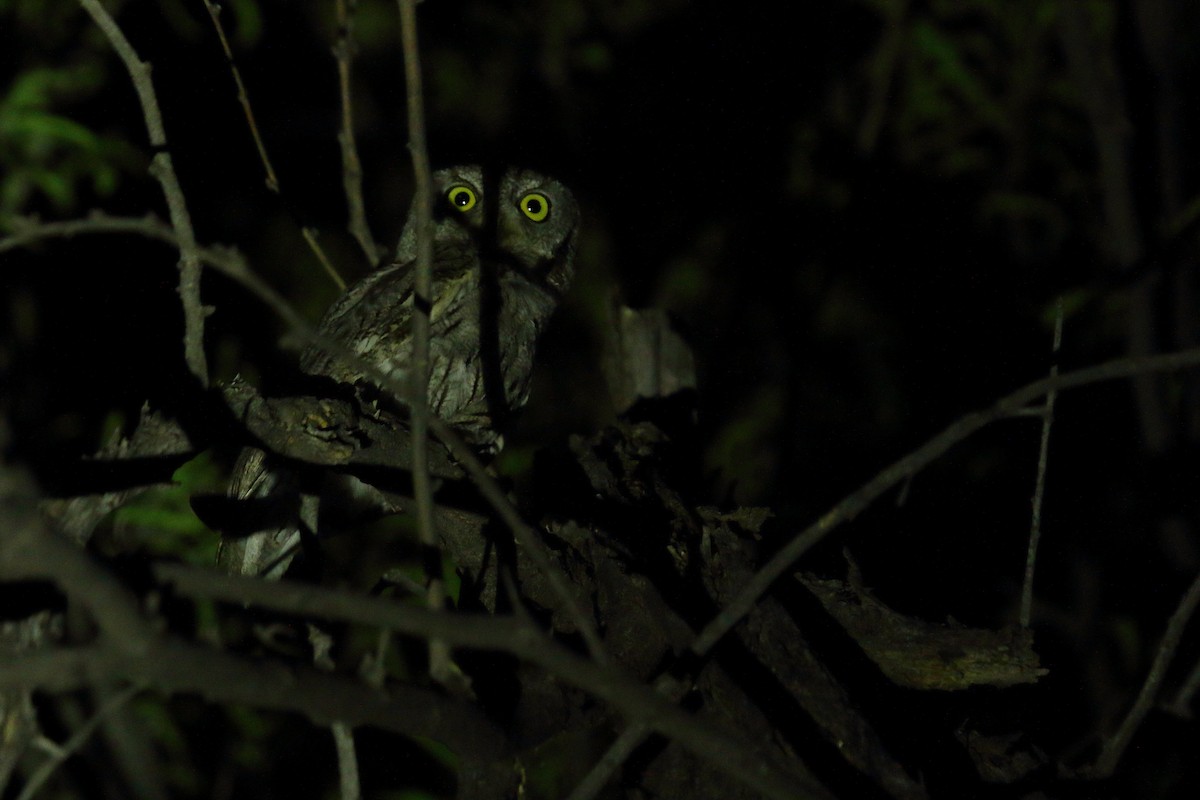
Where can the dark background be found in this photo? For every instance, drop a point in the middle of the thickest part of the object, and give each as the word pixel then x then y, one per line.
pixel 861 214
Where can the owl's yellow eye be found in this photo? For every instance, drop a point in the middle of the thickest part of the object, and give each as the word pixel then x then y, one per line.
pixel 536 206
pixel 461 197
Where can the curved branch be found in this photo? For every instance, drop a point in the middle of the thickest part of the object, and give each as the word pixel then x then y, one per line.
pixel 163 170
pixel 903 469
pixel 511 635
pixel 418 401
pixel 230 263
pixel 352 175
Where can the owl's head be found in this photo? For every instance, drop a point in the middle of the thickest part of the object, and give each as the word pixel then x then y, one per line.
pixel 516 217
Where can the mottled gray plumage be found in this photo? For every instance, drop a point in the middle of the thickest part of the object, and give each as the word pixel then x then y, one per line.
pixel 503 252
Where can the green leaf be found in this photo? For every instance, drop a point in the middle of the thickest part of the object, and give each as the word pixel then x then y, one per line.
pixel 249 22
pixel 163 521
pixel 55 186
pixel 948 65
pixel 42 125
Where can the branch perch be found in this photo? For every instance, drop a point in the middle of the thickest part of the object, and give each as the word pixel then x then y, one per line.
pixel 163 170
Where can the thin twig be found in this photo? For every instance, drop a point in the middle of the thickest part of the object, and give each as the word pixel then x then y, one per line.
pixel 27 231
pixel 1035 525
pixel 31 550
pixel 343 734
pixel 226 260
pixel 352 176
pixel 1092 68
pixel 174 666
pixel 214 13
pixel 163 170
pixel 310 236
pixel 347 759
pixel 1181 704
pixel 1114 748
pixel 622 748
pixel 440 665
pixel 68 748
pixel 882 74
pixel 131 647
pixel 230 263
pixel 272 179
pixel 851 505
pixel 524 534
pixel 506 634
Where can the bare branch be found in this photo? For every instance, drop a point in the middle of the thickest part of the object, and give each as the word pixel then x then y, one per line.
pixel 163 170
pixel 214 13
pixel 622 748
pixel 508 635
pixel 440 664
pixel 1180 704
pixel 31 550
pixel 1035 526
pixel 174 666
pixel 154 437
pixel 882 74
pixel 272 179
pixel 1094 72
pixel 1015 404
pixel 1114 748
pixel 77 740
pixel 225 260
pixel 343 51
pixel 347 759
pixel 130 649
pixel 850 506
pixel 230 263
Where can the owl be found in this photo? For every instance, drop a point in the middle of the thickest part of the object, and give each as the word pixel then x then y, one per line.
pixel 503 255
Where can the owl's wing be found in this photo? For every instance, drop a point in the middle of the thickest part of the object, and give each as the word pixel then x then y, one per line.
pixel 382 301
pixel 374 317
pixel 275 509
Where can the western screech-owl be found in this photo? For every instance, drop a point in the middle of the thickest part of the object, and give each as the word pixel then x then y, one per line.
pixel 503 253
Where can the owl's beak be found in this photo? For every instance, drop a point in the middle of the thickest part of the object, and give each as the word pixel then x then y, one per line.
pixel 507 233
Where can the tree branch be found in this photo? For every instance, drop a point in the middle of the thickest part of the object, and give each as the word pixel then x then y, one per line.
pixel 508 635
pixel 163 170
pixel 855 502
pixel 1039 489
pixel 352 175
pixel 77 740
pixel 1115 746
pixel 230 263
pixel 272 180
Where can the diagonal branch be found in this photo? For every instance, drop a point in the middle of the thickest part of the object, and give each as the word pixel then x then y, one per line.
pixel 1039 489
pixel 310 235
pixel 858 500
pixel 850 506
pixel 178 667
pixel 440 664
pixel 352 176
pixel 1115 746
pixel 32 550
pixel 231 264
pixel 163 170
pixel 77 740
pixel 130 648
pixel 510 635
